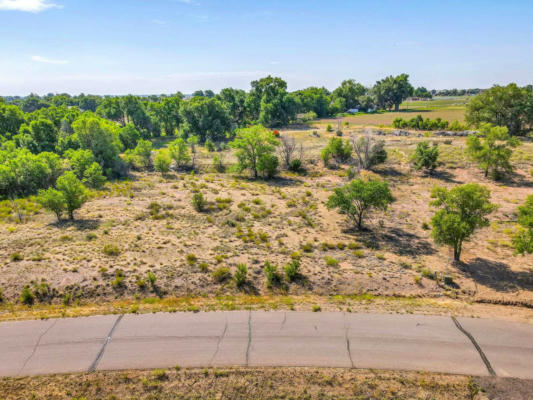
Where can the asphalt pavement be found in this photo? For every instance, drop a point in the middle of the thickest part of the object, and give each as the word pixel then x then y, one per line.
pixel 258 338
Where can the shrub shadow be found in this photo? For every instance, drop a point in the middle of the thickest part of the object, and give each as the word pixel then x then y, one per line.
pixel 249 288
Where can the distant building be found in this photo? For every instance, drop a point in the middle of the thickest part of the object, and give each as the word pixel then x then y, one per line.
pixel 353 110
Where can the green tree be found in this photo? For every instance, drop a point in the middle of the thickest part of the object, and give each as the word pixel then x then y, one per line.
pixel 426 156
pixel 491 148
pixel 93 176
pixel 11 118
pixel 422 92
pixel 101 137
pixel 129 136
pixel 162 162
pixel 192 141
pixel 463 209
pixel 523 240
pixel 179 152
pixel 143 152
pixel 206 118
pixel 53 200
pixel 79 160
pixel 350 91
pixel 168 113
pixel 253 144
pixel 135 112
pixel 269 103
pixel 392 90
pixel 111 108
pixel 314 99
pixel 23 173
pixel 234 101
pixel 73 192
pixel 509 106
pixel 358 197
pixel 43 133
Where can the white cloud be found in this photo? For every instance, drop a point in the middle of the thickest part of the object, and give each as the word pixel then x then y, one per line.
pixel 48 60
pixel 159 22
pixel 33 6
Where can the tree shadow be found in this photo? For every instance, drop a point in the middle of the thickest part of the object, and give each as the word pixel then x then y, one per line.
pixel 497 275
pixel 397 240
pixel 410 110
pixel 389 172
pixel 79 224
pixel 516 180
pixel 278 181
pixel 298 127
pixel 443 176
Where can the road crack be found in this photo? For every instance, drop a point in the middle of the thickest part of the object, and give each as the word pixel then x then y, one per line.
pixel 249 337
pixel 93 366
pixel 220 338
pixel 476 345
pixel 37 345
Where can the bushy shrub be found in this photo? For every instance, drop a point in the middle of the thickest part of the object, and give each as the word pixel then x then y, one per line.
pixel 273 277
pixel 198 202
pixel 221 274
pixel 419 123
pixel 338 149
pixel 218 163
pixel 209 145
pixel 240 275
pixel 191 259
pixel 425 156
pixel 292 270
pixel 111 250
pixel 151 278
pixel 119 279
pixel 267 165
pixel 295 165
pixel 26 296
pixel 162 162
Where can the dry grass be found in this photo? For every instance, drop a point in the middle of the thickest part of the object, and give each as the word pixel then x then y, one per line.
pixel 247 383
pixel 148 225
pixel 348 303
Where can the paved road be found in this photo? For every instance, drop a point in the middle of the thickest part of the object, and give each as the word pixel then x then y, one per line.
pixel 243 338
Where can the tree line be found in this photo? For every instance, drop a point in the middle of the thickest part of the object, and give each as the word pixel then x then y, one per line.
pixel 41 137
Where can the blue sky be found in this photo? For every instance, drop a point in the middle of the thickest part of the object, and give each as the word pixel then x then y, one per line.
pixel 162 46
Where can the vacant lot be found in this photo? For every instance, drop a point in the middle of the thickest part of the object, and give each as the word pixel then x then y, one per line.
pixel 265 383
pixel 142 239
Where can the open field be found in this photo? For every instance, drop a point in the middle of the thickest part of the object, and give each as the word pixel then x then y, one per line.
pixel 448 109
pixel 264 383
pixel 148 224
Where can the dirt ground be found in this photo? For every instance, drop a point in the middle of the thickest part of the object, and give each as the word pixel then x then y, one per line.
pixel 148 224
pixel 265 383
